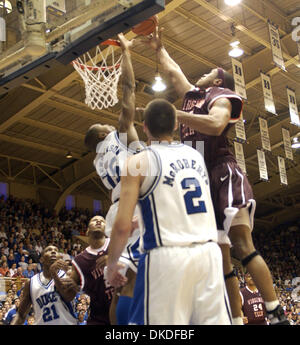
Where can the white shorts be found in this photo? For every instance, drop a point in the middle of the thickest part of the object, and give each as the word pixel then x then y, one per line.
pixel 181 286
pixel 243 216
pixel 130 254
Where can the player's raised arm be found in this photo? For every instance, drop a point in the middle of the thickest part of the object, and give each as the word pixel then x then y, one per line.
pixel 214 124
pixel 170 67
pixel 127 115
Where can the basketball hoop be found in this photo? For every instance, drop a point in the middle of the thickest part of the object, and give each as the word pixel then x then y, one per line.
pixel 100 75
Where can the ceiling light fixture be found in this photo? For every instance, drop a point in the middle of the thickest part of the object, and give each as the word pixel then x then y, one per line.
pixel 232 2
pixel 69 155
pixel 296 142
pixel 235 51
pixel 7 5
pixel 159 84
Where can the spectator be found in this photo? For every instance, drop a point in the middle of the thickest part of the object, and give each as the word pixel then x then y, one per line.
pixel 19 254
pixel 3 232
pixel 32 253
pixel 77 245
pixel 19 273
pixel 38 248
pixel 11 259
pixel 5 308
pixel 4 269
pixel 1 318
pixel 22 263
pixel 81 318
pixel 5 248
pixel 66 256
pixel 13 269
pixel 30 320
pixel 12 312
pixel 29 272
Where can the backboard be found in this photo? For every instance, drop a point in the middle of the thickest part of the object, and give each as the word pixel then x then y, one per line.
pixel 37 34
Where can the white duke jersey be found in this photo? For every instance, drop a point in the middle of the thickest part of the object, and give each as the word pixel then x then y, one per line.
pixel 110 159
pixel 48 305
pixel 175 200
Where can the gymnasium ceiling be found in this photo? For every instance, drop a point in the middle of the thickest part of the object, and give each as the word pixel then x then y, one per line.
pixel 45 118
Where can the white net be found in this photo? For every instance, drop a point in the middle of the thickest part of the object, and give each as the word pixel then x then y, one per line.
pixel 101 76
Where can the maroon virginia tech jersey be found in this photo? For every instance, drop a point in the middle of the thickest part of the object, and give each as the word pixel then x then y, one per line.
pixel 92 282
pixel 253 306
pixel 199 101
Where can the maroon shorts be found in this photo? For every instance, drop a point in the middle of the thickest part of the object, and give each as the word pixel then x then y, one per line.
pixel 230 191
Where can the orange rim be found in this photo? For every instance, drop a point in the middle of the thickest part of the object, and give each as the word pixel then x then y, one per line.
pixel 110 42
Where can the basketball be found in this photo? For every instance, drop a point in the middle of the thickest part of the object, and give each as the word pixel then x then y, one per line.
pixel 146 27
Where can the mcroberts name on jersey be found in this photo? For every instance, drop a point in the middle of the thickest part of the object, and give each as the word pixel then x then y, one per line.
pixel 181 164
pixel 47 298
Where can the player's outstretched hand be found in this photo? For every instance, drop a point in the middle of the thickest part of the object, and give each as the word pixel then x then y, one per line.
pixel 125 44
pixel 153 40
pixel 114 276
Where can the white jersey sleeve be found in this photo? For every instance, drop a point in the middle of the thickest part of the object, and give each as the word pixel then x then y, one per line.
pixel 110 160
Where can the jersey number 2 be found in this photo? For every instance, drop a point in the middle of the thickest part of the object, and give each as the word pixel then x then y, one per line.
pixel 191 208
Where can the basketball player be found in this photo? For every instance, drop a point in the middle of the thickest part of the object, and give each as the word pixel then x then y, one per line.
pixel 87 272
pixel 49 292
pixel 253 306
pixel 180 278
pixel 210 108
pixel 112 147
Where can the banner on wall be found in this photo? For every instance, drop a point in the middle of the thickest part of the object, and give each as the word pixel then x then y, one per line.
pixel 294 115
pixel 239 155
pixel 276 46
pixel 240 132
pixel 282 171
pixel 239 80
pixel 268 95
pixel 287 143
pixel 262 165
pixel 264 133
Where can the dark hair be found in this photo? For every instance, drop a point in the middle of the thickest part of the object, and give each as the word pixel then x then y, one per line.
pixel 160 117
pixel 227 79
pixel 91 139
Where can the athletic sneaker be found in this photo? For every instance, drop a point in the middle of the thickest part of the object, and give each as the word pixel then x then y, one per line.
pixel 277 316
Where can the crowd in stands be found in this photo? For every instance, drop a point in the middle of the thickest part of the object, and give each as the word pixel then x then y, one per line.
pixel 27 227
pixel 281 250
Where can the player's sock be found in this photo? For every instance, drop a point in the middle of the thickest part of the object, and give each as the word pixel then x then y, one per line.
pixel 237 321
pixel 122 310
